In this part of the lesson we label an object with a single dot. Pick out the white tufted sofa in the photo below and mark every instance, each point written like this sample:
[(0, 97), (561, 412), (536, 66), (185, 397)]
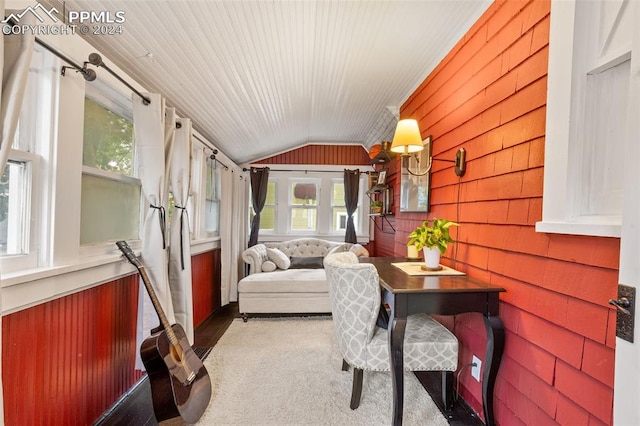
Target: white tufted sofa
[(288, 290)]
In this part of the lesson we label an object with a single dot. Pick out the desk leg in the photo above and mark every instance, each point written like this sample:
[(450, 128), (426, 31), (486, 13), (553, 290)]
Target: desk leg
[(396, 346), (493, 355)]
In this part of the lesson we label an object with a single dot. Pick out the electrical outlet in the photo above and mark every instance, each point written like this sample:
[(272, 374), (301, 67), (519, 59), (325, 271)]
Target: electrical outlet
[(475, 370)]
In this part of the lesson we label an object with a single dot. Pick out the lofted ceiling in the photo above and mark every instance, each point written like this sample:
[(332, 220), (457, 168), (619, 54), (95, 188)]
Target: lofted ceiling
[(263, 77)]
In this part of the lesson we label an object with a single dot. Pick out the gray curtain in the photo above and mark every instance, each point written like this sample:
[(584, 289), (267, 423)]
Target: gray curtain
[(351, 185), (259, 181)]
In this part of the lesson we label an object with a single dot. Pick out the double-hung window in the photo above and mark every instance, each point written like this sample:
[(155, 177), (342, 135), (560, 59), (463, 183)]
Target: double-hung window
[(23, 179), (110, 203)]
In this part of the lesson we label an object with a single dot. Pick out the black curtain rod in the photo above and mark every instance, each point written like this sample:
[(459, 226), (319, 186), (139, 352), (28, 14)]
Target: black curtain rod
[(305, 171), (96, 60)]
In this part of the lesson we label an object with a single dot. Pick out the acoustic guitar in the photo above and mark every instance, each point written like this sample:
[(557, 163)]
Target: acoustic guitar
[(180, 384)]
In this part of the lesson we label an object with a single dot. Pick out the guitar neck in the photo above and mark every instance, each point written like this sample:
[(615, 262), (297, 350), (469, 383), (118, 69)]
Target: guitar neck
[(157, 306)]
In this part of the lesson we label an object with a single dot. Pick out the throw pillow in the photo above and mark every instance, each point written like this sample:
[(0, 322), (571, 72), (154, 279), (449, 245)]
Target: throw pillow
[(268, 266), (306, 263), (279, 258)]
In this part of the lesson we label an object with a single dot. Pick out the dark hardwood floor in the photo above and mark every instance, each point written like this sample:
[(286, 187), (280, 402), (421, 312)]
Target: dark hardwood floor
[(135, 408)]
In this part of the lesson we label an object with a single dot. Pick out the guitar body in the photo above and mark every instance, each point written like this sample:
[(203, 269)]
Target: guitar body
[(173, 392)]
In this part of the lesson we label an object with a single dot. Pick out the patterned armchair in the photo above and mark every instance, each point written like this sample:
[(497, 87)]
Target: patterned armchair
[(354, 291)]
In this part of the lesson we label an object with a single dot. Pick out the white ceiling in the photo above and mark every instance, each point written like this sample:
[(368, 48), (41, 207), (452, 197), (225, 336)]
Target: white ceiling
[(263, 77)]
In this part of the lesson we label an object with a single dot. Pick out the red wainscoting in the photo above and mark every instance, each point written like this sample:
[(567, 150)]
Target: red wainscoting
[(205, 269), (65, 362), (488, 95)]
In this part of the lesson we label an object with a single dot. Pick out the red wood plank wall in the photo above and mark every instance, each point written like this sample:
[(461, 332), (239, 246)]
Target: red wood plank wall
[(489, 96), (321, 154), (65, 362)]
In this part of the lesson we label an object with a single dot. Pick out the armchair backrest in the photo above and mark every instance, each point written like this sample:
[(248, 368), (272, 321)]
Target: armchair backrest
[(354, 291)]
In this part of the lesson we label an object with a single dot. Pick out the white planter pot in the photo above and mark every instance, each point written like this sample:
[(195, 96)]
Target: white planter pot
[(431, 257)]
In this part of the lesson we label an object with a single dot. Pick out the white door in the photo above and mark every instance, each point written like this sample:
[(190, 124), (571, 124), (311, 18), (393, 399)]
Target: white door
[(626, 405)]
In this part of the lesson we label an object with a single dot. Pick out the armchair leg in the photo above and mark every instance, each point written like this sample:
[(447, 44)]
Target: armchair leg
[(447, 390), (357, 388), (345, 366)]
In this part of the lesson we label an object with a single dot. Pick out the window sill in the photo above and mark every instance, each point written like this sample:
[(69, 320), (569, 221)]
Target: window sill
[(600, 228), (21, 290)]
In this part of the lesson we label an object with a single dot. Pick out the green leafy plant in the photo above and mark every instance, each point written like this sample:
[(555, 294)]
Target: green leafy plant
[(376, 204), (435, 235)]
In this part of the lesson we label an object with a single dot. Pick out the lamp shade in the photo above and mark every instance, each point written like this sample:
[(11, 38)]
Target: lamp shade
[(407, 138)]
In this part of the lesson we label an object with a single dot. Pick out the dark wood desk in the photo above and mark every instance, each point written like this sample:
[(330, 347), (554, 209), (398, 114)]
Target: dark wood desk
[(442, 295)]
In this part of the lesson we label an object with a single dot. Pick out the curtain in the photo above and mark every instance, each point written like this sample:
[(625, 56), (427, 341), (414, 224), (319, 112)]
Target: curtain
[(226, 234), (149, 129), (233, 232), (351, 185), (180, 241), (15, 54), (259, 181)]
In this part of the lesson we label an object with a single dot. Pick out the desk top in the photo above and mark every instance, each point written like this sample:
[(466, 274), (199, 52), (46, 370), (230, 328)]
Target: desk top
[(396, 281)]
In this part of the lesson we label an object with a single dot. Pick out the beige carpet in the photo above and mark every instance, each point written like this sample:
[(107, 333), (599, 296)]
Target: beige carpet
[(288, 372)]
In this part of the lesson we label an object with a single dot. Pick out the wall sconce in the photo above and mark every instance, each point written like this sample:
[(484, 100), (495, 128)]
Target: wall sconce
[(407, 141)]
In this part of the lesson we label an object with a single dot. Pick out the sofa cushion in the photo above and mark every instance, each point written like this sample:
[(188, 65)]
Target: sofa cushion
[(269, 266), (279, 258), (289, 281), (306, 262)]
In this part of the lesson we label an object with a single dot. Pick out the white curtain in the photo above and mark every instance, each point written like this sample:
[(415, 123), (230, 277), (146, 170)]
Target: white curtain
[(153, 150), (15, 54), (226, 235), (233, 232), (180, 247)]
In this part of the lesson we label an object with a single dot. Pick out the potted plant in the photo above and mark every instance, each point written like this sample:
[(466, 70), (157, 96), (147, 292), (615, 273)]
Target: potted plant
[(433, 240), (376, 207)]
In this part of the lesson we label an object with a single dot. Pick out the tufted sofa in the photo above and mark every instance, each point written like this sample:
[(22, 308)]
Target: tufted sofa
[(288, 276)]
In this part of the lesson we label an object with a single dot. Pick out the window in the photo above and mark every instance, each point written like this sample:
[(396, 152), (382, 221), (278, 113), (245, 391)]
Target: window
[(589, 74), (303, 205), (109, 188), (308, 209), (22, 180), (268, 214), (212, 199), (339, 210)]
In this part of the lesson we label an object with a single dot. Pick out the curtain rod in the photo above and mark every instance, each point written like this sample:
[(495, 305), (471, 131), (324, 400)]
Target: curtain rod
[(96, 59), (88, 74), (301, 170)]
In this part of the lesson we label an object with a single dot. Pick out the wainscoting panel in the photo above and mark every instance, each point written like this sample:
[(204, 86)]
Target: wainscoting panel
[(205, 269), (66, 361)]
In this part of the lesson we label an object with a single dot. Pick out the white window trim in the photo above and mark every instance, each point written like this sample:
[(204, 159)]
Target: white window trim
[(560, 211), (297, 172)]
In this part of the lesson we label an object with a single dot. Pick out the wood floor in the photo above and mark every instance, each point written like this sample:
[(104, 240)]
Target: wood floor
[(135, 408)]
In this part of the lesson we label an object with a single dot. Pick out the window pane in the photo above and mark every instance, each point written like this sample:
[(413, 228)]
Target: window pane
[(268, 218), (13, 208), (102, 201), (303, 219), (271, 194), (268, 215), (211, 215), (212, 201), (304, 194), (108, 140), (337, 195)]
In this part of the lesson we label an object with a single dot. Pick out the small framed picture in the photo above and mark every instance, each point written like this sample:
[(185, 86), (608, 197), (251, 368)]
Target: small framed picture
[(382, 177)]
